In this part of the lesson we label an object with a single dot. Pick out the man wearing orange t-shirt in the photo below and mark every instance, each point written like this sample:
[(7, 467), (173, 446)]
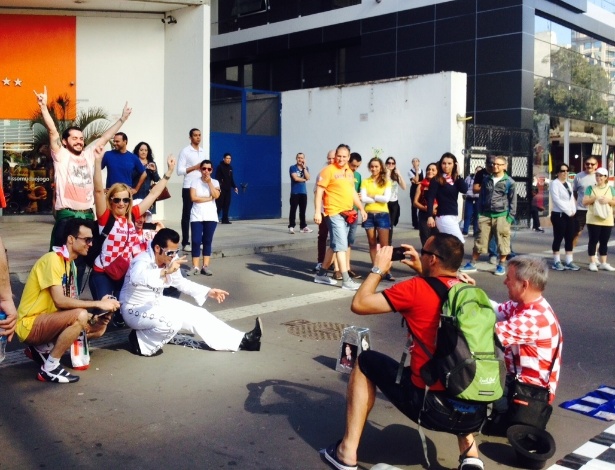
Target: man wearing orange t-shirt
[(335, 191)]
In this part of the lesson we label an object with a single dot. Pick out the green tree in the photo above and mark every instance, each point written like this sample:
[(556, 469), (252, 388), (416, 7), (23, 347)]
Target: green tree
[(92, 121), (577, 89)]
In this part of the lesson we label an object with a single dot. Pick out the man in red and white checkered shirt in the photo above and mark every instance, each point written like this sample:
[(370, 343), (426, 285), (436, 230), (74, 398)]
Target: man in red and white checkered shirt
[(527, 326)]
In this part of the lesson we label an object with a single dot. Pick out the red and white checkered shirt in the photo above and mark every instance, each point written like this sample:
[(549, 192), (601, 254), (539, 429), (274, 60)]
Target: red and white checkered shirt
[(530, 334), (116, 243)]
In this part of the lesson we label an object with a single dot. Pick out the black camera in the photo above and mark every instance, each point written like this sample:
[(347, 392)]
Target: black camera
[(398, 254)]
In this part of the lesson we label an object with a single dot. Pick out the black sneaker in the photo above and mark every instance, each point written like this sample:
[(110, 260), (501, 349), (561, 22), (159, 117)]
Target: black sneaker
[(36, 355), (57, 375), (134, 343), (118, 320)]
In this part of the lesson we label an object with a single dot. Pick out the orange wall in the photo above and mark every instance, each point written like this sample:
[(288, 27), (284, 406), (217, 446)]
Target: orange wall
[(38, 50)]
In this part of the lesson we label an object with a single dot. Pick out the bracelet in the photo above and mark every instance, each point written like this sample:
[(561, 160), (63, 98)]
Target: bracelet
[(166, 177), (122, 120)]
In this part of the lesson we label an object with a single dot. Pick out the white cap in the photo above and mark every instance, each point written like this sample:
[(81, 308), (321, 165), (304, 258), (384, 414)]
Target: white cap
[(602, 171), (148, 214)]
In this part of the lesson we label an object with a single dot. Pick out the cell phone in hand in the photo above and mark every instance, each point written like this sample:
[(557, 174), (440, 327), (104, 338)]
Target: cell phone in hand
[(398, 254), (149, 226)]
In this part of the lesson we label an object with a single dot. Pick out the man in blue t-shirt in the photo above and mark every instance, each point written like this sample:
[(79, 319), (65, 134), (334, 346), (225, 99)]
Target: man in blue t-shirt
[(121, 164), (299, 174)]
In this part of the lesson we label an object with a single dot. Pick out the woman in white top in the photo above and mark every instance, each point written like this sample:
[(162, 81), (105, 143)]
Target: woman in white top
[(563, 209), (397, 181), (203, 216)]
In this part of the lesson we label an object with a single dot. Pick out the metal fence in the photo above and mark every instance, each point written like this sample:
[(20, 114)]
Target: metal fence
[(516, 146)]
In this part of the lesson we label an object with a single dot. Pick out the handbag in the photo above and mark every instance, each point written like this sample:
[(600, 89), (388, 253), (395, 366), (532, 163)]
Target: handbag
[(600, 210), (165, 194), (117, 268), (350, 216), (529, 404)]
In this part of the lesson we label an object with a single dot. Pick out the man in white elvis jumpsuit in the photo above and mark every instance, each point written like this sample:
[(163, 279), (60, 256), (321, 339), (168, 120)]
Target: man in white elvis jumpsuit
[(155, 319)]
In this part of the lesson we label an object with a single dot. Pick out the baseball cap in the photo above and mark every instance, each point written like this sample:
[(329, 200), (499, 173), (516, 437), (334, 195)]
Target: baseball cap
[(148, 213), (602, 171)]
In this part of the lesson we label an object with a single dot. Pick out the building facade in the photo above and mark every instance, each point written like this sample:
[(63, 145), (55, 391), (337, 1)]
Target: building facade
[(509, 49)]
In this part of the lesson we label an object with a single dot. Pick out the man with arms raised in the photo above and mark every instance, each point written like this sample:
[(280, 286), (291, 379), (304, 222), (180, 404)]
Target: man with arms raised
[(74, 168)]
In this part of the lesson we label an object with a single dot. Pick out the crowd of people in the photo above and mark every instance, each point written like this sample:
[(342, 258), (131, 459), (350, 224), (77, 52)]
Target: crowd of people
[(138, 263)]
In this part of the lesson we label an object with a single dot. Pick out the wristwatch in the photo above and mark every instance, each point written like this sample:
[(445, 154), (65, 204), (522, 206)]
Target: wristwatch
[(377, 270)]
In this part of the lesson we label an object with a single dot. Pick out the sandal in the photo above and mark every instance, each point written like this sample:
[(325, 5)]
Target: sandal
[(471, 463), (330, 456)]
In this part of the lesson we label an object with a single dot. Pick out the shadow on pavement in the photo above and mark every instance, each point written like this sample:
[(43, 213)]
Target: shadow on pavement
[(396, 444)]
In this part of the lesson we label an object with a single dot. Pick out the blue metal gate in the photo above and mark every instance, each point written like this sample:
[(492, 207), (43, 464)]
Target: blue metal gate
[(246, 124)]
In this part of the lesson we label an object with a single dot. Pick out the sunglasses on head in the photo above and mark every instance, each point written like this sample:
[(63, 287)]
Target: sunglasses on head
[(117, 200)]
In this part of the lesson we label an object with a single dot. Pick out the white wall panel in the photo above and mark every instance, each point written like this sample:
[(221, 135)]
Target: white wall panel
[(406, 118)]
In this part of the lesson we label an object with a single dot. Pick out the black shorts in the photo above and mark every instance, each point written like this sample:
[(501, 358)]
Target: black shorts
[(440, 412), (580, 217), (381, 370)]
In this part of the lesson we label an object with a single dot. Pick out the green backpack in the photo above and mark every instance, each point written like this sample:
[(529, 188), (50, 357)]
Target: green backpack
[(467, 359)]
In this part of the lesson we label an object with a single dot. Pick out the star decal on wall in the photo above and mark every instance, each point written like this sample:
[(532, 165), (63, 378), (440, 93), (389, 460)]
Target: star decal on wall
[(18, 82), (6, 81)]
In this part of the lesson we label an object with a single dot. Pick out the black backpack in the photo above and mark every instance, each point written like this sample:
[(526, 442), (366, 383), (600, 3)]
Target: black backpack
[(99, 240)]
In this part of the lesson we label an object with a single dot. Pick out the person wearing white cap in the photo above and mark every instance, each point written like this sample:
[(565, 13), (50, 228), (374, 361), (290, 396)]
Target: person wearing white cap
[(599, 199)]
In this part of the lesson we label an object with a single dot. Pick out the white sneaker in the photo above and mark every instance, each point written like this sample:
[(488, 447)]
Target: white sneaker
[(325, 280), (593, 267), (291, 230), (606, 267), (306, 230), (350, 285)]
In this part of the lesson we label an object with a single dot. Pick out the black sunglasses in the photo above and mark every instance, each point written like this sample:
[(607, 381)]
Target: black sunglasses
[(430, 253), (87, 240), (206, 169), (117, 200)]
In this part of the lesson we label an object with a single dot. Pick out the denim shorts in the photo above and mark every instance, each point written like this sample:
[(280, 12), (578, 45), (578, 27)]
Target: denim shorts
[(338, 232), (377, 220), (352, 232)]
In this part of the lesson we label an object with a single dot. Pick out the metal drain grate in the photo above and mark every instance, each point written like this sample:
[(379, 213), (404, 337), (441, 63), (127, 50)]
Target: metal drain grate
[(318, 330)]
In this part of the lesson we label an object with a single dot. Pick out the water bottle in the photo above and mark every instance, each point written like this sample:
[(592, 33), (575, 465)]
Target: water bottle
[(3, 339), (80, 352)]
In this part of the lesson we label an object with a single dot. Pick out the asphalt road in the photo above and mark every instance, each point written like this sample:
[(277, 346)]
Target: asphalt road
[(275, 409)]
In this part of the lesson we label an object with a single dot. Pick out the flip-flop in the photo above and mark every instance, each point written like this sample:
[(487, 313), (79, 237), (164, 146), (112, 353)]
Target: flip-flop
[(330, 456)]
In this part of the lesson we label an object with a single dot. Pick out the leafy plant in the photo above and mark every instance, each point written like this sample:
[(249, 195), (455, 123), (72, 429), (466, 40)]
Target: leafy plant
[(92, 121)]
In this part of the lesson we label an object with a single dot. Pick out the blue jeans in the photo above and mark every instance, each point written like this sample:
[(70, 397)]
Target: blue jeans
[(493, 248), (377, 220), (338, 232), (101, 285), (202, 234), (470, 216)]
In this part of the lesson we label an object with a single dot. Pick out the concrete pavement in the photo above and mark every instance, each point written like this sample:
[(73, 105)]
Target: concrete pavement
[(273, 409)]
